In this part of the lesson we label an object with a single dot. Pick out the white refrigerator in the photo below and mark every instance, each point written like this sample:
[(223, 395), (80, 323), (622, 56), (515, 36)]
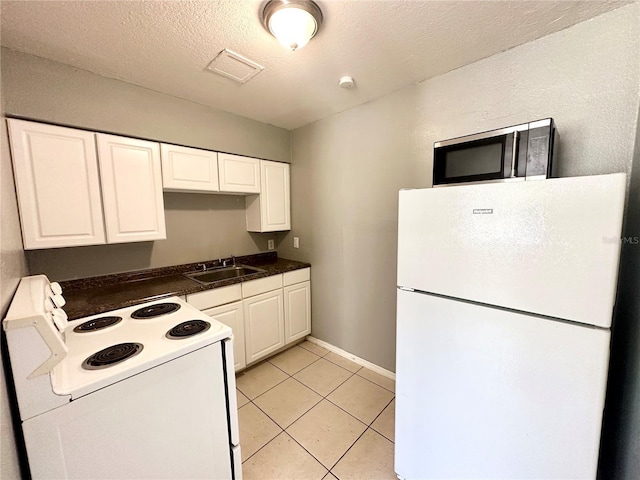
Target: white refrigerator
[(505, 298)]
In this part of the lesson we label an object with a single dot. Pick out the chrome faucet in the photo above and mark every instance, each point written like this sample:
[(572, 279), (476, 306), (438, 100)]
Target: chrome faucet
[(201, 266)]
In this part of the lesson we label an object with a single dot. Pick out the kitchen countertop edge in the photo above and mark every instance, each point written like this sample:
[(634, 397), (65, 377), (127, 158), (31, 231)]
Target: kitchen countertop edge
[(95, 295)]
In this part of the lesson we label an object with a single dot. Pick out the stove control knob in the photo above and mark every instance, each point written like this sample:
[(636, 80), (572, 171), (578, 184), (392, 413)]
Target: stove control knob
[(58, 301), (60, 319), (56, 288)]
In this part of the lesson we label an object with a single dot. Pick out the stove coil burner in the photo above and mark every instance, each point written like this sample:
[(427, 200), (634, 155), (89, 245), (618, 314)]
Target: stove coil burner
[(112, 355), (155, 310), (187, 329), (97, 324)]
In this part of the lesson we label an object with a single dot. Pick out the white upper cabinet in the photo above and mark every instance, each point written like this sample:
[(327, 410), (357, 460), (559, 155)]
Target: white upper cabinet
[(187, 169), (270, 211), (57, 183), (131, 189), (238, 174)]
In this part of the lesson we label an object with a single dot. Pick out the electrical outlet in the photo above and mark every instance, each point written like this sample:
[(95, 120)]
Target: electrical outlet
[(271, 244), (296, 242)]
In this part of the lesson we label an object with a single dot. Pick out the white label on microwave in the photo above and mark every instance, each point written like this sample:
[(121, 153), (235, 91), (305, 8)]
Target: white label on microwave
[(483, 211)]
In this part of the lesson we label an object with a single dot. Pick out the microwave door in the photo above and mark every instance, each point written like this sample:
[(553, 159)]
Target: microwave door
[(475, 161)]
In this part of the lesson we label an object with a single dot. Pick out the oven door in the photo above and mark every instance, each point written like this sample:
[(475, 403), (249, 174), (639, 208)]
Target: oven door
[(489, 156), (169, 422)]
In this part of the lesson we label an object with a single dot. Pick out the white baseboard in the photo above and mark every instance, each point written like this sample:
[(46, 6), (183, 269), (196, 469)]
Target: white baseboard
[(350, 356)]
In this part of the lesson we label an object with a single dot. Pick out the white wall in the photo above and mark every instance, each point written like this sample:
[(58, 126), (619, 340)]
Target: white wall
[(347, 169)]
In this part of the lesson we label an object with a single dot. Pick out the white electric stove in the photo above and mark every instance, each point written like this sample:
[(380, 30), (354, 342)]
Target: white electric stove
[(146, 391)]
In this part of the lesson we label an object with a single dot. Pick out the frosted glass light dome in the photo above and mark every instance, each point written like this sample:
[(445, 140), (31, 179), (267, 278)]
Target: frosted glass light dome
[(293, 23)]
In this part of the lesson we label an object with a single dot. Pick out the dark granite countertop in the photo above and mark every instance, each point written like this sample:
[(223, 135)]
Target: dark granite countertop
[(90, 296)]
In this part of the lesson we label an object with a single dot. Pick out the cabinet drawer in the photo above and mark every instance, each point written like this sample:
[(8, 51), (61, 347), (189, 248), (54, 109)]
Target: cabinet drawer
[(262, 285), (297, 276), (215, 297)]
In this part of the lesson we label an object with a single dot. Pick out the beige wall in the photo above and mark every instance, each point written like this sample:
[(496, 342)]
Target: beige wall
[(52, 92), (12, 267), (620, 454), (347, 169), (199, 226)]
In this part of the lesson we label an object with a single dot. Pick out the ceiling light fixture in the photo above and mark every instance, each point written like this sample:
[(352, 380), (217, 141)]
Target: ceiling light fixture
[(292, 22)]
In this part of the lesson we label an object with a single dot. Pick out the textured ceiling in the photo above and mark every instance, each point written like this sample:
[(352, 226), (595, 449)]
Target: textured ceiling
[(384, 44)]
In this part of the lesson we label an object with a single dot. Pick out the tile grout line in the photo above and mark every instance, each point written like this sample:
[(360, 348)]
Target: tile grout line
[(305, 449), (337, 364), (368, 426), (274, 386), (271, 440), (364, 378), (325, 398), (307, 411), (377, 416), (322, 356), (275, 422), (337, 387), (317, 359), (346, 451), (298, 418)]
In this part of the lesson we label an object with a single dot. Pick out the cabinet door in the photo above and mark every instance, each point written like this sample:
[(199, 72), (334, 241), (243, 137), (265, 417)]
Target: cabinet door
[(238, 174), (270, 211), (188, 169), (263, 325), (297, 311), (131, 189), (232, 315), (57, 185)]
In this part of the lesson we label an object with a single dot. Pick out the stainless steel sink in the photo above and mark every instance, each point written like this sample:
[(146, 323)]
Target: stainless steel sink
[(223, 273)]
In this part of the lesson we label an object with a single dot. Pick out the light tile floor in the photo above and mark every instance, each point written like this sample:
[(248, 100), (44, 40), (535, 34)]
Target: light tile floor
[(308, 413)]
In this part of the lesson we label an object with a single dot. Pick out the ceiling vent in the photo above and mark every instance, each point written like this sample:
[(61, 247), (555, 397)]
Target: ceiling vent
[(234, 66)]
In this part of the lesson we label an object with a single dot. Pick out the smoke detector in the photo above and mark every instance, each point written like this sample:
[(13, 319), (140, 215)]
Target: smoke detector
[(347, 82)]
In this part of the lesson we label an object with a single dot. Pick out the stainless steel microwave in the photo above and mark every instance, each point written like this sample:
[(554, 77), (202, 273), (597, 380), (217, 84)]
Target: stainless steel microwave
[(520, 152)]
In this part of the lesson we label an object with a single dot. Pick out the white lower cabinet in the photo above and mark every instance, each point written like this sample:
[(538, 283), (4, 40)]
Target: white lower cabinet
[(273, 312), (297, 311), (264, 324), (232, 315)]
